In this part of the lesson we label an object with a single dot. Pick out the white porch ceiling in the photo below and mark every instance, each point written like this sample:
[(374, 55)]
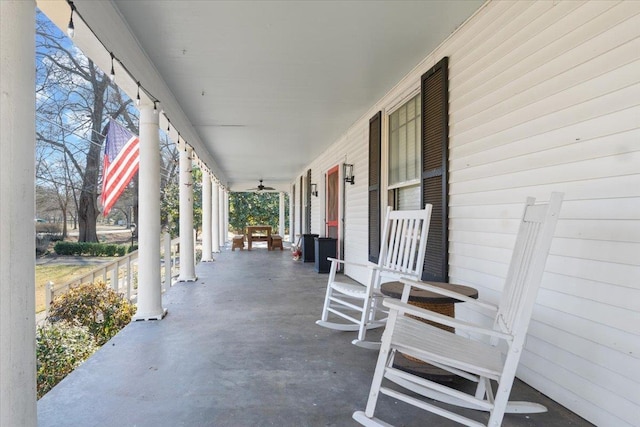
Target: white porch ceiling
[(268, 85)]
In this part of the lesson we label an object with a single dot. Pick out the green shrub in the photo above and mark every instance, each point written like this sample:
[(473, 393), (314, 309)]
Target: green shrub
[(95, 306), (66, 248), (90, 249), (60, 348)]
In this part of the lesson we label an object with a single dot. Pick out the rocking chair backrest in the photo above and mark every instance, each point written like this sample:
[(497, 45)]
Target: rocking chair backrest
[(404, 241), (527, 264)]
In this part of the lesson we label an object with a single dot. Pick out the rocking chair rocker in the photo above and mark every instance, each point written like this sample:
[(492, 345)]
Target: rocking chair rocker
[(475, 360), (402, 251)]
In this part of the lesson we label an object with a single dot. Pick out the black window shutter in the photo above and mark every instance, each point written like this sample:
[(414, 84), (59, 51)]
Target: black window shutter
[(308, 204), (375, 145), (434, 180)]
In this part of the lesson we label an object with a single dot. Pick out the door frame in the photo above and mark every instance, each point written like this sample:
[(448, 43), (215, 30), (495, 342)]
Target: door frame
[(339, 222)]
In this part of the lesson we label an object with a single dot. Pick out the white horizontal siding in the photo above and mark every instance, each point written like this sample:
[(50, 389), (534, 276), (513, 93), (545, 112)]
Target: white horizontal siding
[(578, 391), (624, 209), (592, 290), (544, 96), (593, 353), (350, 148), (558, 111), (593, 29), (607, 381)]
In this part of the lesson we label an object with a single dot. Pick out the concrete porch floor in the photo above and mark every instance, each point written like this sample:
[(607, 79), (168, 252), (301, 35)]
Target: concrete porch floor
[(239, 347)]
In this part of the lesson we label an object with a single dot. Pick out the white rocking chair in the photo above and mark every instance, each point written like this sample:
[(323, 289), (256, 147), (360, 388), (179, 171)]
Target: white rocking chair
[(473, 359), (402, 251)]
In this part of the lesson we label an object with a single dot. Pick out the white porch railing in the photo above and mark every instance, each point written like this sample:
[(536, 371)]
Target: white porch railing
[(122, 274)]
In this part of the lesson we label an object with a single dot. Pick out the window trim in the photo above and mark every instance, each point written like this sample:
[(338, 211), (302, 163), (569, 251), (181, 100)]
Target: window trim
[(399, 102), (403, 99), (403, 184)]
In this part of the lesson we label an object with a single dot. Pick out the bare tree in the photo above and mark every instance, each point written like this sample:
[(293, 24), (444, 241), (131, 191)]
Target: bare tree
[(78, 98), (74, 103)]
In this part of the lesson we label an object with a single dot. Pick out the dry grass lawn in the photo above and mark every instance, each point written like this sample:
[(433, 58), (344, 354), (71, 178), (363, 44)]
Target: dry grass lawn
[(57, 274)]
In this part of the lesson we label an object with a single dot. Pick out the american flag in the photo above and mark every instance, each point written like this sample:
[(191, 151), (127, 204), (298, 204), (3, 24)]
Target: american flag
[(121, 161)]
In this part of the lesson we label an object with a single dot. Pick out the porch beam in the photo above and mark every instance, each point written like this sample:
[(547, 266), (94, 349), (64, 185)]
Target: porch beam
[(149, 280), (187, 261), (17, 210)]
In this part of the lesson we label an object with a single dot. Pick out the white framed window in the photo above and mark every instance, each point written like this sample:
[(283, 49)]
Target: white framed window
[(404, 155)]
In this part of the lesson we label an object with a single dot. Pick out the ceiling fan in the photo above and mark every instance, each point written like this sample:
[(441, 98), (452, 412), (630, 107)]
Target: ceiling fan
[(261, 187)]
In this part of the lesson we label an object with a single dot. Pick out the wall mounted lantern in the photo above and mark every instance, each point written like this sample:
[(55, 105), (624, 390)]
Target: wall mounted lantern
[(348, 174), (314, 190)]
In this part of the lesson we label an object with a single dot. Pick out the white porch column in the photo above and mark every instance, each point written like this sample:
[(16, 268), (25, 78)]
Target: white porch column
[(226, 216), (292, 232), (206, 217), (221, 215), (149, 280), (187, 261), (17, 211), (215, 217), (281, 223)]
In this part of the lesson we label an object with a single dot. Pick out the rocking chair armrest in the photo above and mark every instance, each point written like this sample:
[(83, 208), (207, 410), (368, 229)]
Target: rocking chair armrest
[(370, 266), (355, 264), (395, 304), (426, 286)]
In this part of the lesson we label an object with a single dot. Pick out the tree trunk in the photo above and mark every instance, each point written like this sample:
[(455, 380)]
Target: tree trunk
[(88, 207), (87, 216), (64, 224)]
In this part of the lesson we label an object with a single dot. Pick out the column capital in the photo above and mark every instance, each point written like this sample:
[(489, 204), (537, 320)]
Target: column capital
[(148, 115)]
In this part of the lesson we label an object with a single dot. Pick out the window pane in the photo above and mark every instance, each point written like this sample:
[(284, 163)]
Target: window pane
[(402, 154), (404, 142), (409, 198), (412, 173), (393, 157), (411, 109)]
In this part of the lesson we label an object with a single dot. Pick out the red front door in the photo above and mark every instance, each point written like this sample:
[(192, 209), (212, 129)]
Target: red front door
[(333, 205)]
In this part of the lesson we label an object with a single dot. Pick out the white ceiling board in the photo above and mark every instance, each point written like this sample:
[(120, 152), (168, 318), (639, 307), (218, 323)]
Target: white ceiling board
[(268, 85), (106, 32)]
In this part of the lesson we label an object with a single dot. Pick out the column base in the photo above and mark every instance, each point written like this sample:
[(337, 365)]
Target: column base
[(207, 260), (144, 317), (193, 279)]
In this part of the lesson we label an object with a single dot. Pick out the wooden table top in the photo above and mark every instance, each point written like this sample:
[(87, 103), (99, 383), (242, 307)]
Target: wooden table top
[(255, 228), (394, 289)]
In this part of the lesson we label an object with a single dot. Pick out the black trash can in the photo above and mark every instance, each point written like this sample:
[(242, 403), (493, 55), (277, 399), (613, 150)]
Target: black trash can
[(325, 247), (307, 247)]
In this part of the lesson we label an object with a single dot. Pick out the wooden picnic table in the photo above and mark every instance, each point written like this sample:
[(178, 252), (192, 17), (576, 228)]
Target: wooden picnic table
[(258, 233)]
